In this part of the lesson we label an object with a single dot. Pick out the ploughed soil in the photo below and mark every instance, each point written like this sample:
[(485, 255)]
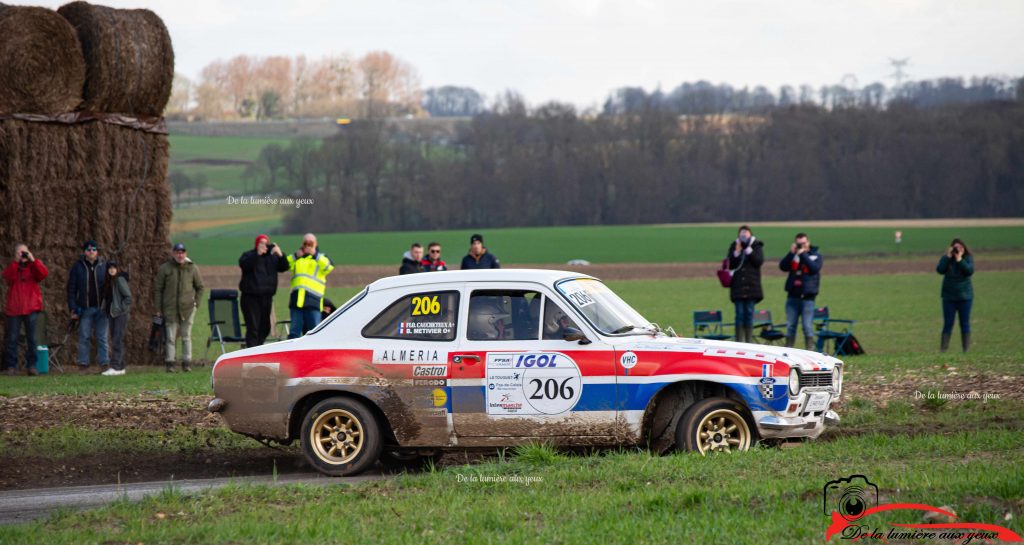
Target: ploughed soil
[(21, 416), (227, 276)]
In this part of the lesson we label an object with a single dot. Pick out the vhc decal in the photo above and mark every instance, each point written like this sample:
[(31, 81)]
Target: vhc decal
[(543, 383)]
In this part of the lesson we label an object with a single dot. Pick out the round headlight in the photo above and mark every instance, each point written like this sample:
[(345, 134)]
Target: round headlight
[(794, 382), (837, 377)]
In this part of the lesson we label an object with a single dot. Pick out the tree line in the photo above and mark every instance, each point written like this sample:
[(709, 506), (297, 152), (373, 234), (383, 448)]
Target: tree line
[(551, 165)]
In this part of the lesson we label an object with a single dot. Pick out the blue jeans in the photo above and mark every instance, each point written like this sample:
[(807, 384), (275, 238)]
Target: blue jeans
[(949, 311), (745, 312), (92, 320), (801, 310), (302, 321), (14, 324)]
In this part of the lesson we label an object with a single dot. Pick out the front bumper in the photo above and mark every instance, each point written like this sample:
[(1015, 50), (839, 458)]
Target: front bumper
[(783, 427)]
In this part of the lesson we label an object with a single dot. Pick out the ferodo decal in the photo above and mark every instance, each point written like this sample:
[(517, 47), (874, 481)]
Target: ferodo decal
[(532, 383), (414, 355)]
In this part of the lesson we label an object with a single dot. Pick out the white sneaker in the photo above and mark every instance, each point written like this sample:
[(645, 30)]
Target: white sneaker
[(121, 372), (110, 372)]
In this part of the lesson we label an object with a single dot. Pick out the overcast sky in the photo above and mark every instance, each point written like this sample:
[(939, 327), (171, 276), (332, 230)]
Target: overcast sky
[(579, 50)]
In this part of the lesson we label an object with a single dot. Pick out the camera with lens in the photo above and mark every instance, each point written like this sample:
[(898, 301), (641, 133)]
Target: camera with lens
[(271, 246), (850, 497), (24, 254)]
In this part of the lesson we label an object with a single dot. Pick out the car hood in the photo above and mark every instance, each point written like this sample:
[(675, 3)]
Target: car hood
[(805, 360)]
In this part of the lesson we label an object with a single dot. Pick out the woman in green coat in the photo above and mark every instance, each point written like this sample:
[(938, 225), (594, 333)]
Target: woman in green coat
[(956, 267)]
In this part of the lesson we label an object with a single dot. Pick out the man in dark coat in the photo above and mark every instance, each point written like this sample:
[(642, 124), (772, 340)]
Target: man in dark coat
[(478, 256), (260, 267), (746, 255), (85, 285), (803, 264), (412, 261)]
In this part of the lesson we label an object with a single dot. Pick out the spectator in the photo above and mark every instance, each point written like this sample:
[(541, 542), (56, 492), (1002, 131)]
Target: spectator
[(86, 280), (309, 282), (179, 290), (478, 256), (260, 267), (746, 255), (412, 261), (24, 303), (803, 263), (956, 268), (116, 303), (433, 261)]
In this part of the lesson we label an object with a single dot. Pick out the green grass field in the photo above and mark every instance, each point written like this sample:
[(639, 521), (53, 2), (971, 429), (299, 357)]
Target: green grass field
[(239, 148), (963, 454), (623, 244)]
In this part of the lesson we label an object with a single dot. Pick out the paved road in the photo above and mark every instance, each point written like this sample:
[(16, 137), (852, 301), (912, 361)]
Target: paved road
[(25, 505)]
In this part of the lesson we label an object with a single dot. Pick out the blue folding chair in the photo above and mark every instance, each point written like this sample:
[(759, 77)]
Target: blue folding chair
[(225, 326), (707, 324), (827, 332), (770, 333)]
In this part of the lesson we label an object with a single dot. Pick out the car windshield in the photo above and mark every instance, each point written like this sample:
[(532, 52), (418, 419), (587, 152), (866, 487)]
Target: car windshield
[(602, 308), (341, 310)]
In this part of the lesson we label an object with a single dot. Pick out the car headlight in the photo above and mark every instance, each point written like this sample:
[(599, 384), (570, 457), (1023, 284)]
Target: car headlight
[(794, 382), (837, 378)]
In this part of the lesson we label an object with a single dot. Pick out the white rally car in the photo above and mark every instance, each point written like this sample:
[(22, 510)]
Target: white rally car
[(421, 363)]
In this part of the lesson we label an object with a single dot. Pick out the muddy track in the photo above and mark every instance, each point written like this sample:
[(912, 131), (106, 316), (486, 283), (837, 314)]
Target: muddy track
[(222, 276)]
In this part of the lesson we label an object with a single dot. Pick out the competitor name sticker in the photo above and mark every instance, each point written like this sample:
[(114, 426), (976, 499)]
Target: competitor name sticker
[(425, 328), (532, 383), (628, 360), (414, 355)]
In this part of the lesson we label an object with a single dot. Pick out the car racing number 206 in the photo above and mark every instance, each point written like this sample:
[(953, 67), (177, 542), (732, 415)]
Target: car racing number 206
[(523, 384)]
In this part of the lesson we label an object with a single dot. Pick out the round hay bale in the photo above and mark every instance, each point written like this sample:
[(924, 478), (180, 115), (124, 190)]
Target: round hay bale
[(42, 70), (128, 56)]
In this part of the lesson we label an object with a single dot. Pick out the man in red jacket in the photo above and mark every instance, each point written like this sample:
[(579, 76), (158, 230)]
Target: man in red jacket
[(24, 302)]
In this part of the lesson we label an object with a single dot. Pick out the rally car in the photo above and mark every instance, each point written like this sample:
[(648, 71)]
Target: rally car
[(414, 365)]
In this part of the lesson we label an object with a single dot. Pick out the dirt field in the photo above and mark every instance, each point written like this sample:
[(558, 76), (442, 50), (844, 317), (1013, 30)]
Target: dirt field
[(228, 276)]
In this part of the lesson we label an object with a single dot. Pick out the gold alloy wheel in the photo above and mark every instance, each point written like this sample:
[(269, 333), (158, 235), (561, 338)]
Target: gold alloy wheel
[(723, 430), (337, 436)]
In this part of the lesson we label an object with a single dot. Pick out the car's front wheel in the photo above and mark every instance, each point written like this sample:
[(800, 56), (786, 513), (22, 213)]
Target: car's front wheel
[(715, 424), (341, 437)]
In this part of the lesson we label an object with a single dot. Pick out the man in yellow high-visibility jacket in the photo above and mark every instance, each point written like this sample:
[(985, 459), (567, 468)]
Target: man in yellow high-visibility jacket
[(309, 270)]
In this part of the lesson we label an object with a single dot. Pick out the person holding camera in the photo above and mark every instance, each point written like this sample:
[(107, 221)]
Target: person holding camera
[(260, 267), (803, 265), (24, 303), (956, 268), (745, 255)]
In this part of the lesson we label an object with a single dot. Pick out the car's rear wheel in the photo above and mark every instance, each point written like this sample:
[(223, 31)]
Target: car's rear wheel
[(715, 424), (341, 437)]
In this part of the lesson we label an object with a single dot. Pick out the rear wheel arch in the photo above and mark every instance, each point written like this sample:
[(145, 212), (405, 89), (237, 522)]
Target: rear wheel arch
[(307, 402), (667, 407)]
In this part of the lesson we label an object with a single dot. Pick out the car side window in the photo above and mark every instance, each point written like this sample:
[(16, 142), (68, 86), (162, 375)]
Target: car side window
[(428, 316), (504, 315), (557, 322)]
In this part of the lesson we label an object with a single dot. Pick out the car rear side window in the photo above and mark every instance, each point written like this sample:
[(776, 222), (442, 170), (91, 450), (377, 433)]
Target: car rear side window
[(428, 316)]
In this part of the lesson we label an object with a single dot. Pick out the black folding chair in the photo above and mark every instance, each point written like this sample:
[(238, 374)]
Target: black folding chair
[(770, 333), (827, 332), (225, 326), (707, 324)]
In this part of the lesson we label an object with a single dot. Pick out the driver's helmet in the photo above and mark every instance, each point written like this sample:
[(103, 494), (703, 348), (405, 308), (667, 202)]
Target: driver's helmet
[(486, 319), (556, 320)]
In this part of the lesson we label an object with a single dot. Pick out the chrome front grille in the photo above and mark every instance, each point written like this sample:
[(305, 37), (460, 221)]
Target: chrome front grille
[(816, 379)]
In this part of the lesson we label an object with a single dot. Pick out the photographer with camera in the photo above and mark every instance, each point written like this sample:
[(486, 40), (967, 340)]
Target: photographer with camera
[(24, 303), (260, 267), (956, 267), (803, 264)]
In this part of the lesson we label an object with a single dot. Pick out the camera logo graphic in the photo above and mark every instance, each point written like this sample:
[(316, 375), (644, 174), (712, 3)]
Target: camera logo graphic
[(850, 497)]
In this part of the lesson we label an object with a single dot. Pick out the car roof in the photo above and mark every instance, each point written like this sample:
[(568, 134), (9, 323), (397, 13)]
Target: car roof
[(541, 276)]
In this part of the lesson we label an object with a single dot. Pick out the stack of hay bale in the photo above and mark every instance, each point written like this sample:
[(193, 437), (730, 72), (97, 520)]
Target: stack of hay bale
[(83, 149)]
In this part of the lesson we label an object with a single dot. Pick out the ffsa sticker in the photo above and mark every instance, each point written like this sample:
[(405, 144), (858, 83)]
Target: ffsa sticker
[(532, 383)]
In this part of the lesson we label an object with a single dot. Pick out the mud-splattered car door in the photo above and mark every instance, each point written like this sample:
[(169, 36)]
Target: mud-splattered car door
[(516, 375)]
